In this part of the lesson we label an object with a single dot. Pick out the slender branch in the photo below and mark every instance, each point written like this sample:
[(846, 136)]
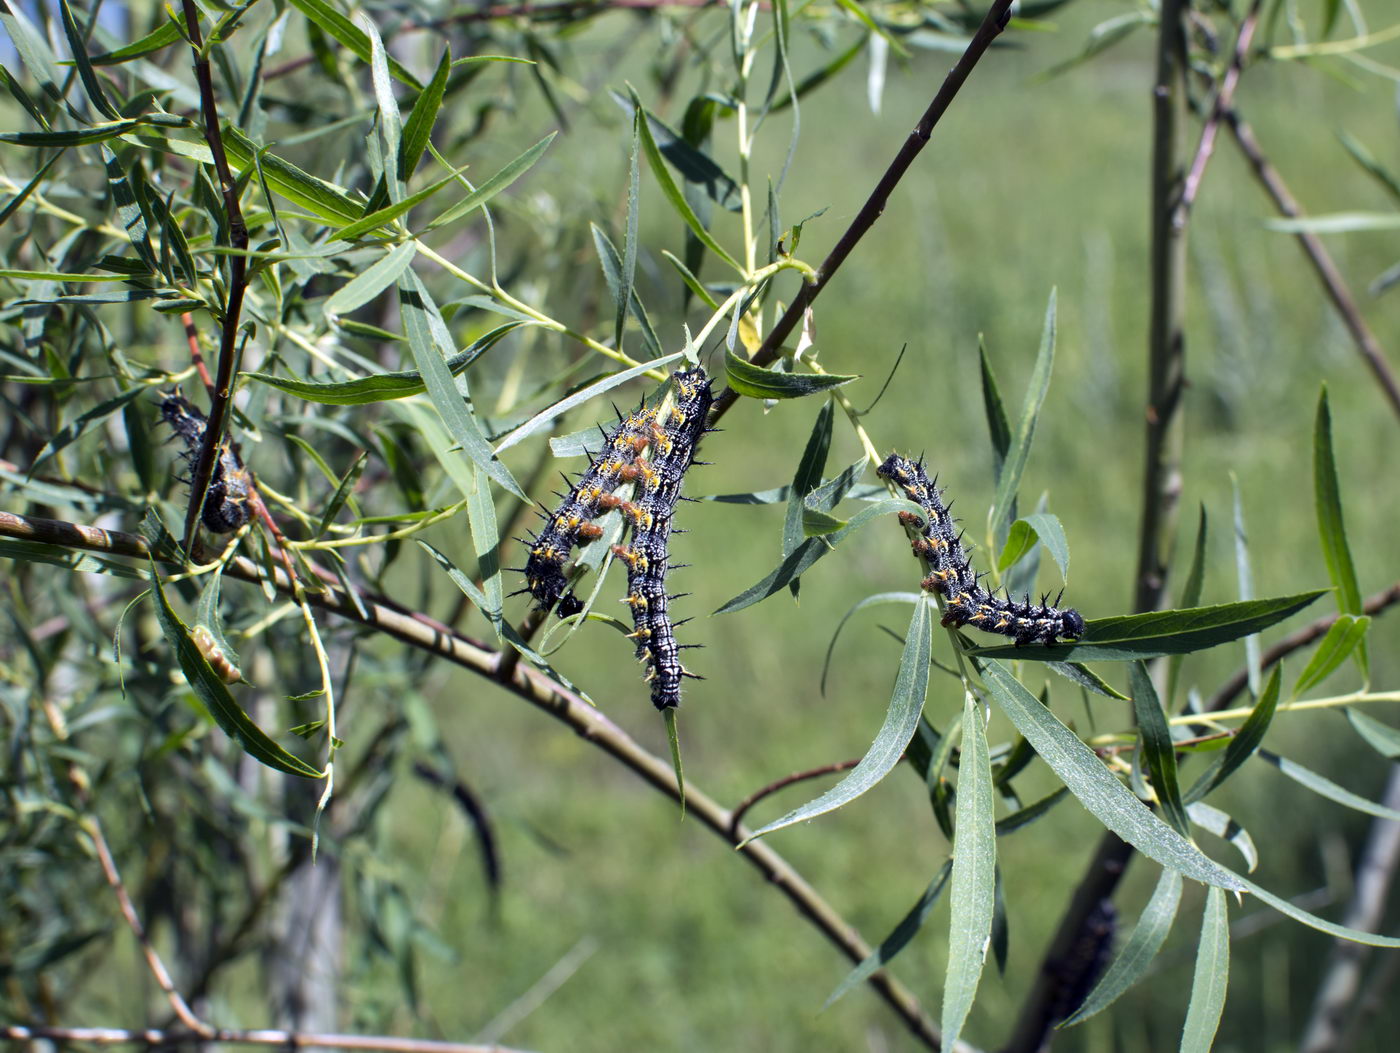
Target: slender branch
[(992, 25), (539, 690), (737, 816), (115, 1036), (237, 280), (1332, 282), (1341, 980), (1224, 99)]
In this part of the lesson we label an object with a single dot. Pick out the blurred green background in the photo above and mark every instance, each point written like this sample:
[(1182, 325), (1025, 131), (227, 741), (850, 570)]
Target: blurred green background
[(633, 929)]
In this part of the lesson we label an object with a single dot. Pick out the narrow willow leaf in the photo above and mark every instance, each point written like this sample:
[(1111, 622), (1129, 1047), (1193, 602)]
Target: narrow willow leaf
[(1158, 748), (1190, 597), (1312, 921), (426, 332), (1382, 738), (1019, 451), (163, 35), (691, 282), (326, 200), (998, 426), (1097, 788), (811, 550), (1212, 977), (1336, 223), (628, 272), (547, 416), (1331, 527), (211, 690), (869, 601), (759, 383), (389, 213), (1342, 638), (332, 22), (897, 940), (417, 130), (79, 426), (1031, 812), (382, 386), (78, 46), (372, 281), (1130, 963), (1019, 540), (66, 558), (390, 120), (1384, 178), (1221, 825), (96, 133), (972, 895), (612, 265), (673, 193), (806, 479), (494, 185), (901, 720), (816, 523), (1156, 633), (343, 493), (694, 165), (1325, 787), (1246, 740), (1087, 679)]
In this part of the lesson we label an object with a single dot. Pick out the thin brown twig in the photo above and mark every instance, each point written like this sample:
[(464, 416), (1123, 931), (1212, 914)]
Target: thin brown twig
[(540, 691), (992, 25), (237, 280), (1332, 282), (786, 781), (1224, 99), (114, 1036)]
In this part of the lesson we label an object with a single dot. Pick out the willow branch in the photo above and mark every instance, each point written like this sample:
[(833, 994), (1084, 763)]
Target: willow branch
[(534, 687), (237, 279), (118, 1036), (992, 25), (1327, 273)]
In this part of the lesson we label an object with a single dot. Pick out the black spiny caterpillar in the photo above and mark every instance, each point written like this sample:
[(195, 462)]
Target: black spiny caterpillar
[(226, 505), (967, 602)]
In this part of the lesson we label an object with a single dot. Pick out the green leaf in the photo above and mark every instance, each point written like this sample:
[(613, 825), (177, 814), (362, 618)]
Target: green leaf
[(78, 46), (381, 386), (1245, 579), (547, 416), (494, 185), (427, 334), (163, 35), (1382, 738), (901, 720), (326, 200), (1031, 812), (1342, 932), (1153, 634), (1382, 175), (1190, 597), (806, 479), (33, 49), (1087, 679), (372, 281), (390, 120), (96, 133), (1097, 788), (897, 940), (1221, 825), (1025, 532), (417, 130), (1345, 635), (343, 493), (211, 690), (613, 270), (759, 383), (673, 192), (1130, 963), (623, 292), (329, 20), (694, 165), (1331, 528), (1158, 748), (974, 875), (391, 212), (78, 426), (1010, 478), (1325, 787), (1212, 977), (1245, 741)]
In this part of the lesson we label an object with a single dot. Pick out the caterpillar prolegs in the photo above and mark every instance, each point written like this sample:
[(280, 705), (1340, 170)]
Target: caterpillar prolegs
[(671, 442), (967, 602)]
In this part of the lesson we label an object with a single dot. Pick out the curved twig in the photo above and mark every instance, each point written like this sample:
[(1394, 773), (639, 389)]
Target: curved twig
[(737, 815)]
